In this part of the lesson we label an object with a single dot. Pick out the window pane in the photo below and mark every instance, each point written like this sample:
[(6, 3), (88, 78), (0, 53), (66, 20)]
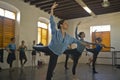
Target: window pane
[(1, 12), (1, 32), (44, 36), (100, 28), (39, 35), (9, 14), (9, 31), (42, 25)]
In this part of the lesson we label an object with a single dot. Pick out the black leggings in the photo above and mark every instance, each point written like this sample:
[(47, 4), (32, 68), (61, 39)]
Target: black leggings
[(95, 54), (75, 55), (23, 57), (21, 61), (52, 60), (66, 60)]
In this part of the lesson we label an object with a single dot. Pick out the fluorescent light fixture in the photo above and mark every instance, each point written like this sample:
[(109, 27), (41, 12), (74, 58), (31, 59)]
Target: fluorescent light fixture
[(87, 9)]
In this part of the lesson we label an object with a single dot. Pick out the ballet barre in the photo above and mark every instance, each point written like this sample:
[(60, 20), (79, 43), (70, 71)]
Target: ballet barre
[(115, 57)]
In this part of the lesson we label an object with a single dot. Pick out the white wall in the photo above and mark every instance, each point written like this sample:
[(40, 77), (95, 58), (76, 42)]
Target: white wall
[(113, 19), (26, 26)]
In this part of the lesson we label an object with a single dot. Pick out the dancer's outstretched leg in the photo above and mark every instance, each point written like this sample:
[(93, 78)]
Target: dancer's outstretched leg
[(44, 49)]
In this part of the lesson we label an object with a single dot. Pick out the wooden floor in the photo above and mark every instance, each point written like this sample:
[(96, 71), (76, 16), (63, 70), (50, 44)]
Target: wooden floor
[(106, 72)]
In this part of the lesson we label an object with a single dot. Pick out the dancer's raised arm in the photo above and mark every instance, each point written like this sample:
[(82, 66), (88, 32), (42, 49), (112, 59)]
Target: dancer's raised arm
[(53, 7), (76, 33), (52, 22)]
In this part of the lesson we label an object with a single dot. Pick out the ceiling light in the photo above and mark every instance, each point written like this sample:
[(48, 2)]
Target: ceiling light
[(105, 3), (87, 9)]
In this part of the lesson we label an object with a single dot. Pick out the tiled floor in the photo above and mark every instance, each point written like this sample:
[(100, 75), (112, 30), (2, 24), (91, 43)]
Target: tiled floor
[(83, 72)]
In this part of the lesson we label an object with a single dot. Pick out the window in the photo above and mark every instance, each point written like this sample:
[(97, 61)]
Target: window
[(7, 14), (7, 28), (42, 25), (102, 31), (42, 33), (1, 12)]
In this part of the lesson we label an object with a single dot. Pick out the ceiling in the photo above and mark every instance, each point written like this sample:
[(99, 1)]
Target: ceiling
[(70, 9)]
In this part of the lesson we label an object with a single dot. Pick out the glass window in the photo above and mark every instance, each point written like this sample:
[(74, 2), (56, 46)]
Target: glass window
[(9, 14), (42, 25), (39, 35), (42, 33), (1, 12), (100, 28)]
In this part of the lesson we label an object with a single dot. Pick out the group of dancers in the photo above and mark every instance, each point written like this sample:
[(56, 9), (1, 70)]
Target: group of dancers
[(58, 45), (60, 41), (11, 49)]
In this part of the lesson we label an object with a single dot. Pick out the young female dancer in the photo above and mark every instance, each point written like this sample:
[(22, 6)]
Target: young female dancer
[(76, 53), (22, 54), (96, 51), (33, 54), (59, 42), (11, 49)]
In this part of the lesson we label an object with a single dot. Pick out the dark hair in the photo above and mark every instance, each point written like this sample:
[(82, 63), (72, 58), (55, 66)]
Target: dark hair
[(98, 39), (33, 40), (22, 41), (12, 39), (59, 23), (80, 33)]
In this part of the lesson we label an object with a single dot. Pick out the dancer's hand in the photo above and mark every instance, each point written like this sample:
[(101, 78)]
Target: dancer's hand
[(54, 5), (79, 23), (113, 47)]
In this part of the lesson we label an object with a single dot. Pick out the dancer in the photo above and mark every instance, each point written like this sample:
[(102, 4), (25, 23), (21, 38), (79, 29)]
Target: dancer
[(11, 49), (59, 42), (76, 53), (96, 51), (33, 54), (22, 48)]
